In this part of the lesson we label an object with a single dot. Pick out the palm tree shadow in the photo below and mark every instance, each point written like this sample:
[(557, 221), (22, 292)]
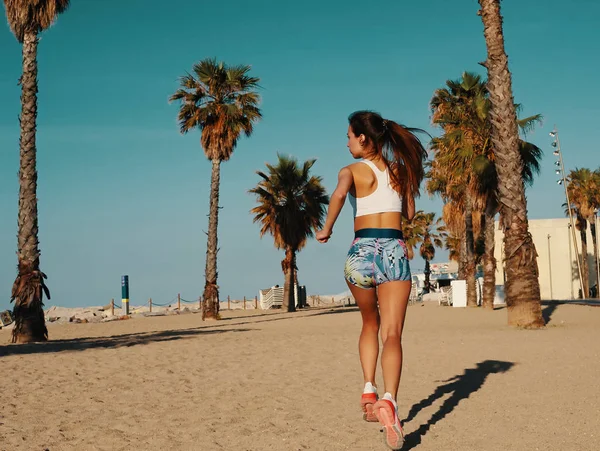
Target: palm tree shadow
[(459, 387), (548, 310), (109, 342), (144, 338)]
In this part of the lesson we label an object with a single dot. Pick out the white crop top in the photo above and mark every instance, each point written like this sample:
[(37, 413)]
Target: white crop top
[(384, 199)]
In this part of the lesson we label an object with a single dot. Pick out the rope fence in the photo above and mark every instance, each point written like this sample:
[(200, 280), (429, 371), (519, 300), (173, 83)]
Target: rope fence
[(150, 303), (244, 302), (232, 304), (317, 301)]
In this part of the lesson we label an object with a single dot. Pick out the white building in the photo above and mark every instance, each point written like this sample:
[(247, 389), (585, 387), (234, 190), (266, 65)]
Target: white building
[(557, 264)]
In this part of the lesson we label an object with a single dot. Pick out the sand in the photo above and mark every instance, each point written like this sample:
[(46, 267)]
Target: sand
[(279, 381)]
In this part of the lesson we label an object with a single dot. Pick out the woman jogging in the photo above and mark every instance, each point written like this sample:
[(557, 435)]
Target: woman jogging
[(382, 186)]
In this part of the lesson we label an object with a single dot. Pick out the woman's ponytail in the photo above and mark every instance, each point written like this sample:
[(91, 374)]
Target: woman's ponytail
[(404, 155), (397, 145)]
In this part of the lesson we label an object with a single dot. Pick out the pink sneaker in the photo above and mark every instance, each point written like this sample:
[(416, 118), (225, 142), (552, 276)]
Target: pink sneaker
[(386, 414), (367, 400)]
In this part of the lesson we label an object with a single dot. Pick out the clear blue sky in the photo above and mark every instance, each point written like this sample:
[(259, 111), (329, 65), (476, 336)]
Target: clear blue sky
[(122, 192)]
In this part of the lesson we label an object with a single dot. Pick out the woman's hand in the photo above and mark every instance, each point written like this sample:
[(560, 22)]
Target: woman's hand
[(323, 235)]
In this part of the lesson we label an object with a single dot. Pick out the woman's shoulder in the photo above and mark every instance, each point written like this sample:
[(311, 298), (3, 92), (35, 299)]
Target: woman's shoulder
[(359, 165)]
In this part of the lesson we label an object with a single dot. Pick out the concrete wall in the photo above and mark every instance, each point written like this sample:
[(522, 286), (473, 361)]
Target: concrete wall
[(559, 278)]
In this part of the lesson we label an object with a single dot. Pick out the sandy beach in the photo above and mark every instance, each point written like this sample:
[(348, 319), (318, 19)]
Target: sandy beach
[(278, 381)]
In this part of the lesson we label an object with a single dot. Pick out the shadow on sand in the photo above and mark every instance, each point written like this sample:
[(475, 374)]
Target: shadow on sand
[(142, 338), (115, 341), (282, 316), (459, 387), (312, 311), (548, 310)]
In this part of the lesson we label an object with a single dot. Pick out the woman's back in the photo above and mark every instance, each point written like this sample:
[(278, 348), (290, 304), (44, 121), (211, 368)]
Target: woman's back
[(375, 203)]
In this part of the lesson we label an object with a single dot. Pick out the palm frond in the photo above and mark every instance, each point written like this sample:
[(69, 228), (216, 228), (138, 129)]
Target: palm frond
[(32, 16), (527, 124), (291, 202), (221, 102)]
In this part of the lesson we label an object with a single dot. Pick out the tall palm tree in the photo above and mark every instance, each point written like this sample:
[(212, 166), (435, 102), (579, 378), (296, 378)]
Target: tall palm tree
[(27, 19), (444, 180), (522, 289), (583, 186), (485, 168), (434, 235), (595, 201), (465, 157), (291, 205), (221, 101), (457, 108)]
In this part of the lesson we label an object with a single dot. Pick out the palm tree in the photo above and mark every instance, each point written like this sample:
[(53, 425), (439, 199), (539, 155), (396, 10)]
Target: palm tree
[(583, 187), (291, 204), (458, 110), (595, 202), (522, 289), (27, 19), (413, 232), (221, 101), (485, 168), (434, 234), (465, 174), (426, 231)]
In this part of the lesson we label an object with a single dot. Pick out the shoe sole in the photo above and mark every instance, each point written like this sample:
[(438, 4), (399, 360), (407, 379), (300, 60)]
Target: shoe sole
[(392, 434), (368, 414)]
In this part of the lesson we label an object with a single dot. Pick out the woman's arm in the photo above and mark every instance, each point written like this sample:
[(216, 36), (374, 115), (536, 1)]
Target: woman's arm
[(336, 202)]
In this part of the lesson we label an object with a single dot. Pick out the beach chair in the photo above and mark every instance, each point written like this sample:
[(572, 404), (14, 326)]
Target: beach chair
[(414, 294), (445, 297)]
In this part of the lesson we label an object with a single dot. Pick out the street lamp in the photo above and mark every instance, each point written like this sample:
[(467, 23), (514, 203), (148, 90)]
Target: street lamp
[(563, 181), (597, 259), (550, 267), (571, 265)]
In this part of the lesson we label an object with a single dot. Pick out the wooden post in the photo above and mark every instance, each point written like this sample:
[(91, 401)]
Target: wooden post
[(255, 302), (150, 304), (112, 307), (332, 300), (199, 302), (244, 302), (178, 301), (228, 303)]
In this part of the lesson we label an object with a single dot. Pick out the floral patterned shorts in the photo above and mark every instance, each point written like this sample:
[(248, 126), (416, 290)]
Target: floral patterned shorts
[(373, 260)]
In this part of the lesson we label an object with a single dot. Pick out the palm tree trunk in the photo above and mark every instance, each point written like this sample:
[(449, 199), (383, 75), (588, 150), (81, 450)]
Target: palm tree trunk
[(462, 257), (427, 277), (288, 265), (489, 263), (211, 289), (522, 288), (297, 289), (29, 288), (595, 244), (585, 268), (470, 260)]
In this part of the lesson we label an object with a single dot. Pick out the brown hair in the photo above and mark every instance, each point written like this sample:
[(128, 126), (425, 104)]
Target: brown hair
[(397, 145)]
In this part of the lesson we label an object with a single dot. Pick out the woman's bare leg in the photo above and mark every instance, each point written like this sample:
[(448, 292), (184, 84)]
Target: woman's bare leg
[(393, 300), (368, 343)]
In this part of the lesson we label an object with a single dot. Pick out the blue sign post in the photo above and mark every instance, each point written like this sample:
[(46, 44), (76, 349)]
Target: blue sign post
[(125, 293)]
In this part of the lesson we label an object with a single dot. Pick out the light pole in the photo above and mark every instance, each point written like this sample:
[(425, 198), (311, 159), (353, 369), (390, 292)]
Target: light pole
[(571, 264), (563, 181), (597, 258), (550, 268)]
